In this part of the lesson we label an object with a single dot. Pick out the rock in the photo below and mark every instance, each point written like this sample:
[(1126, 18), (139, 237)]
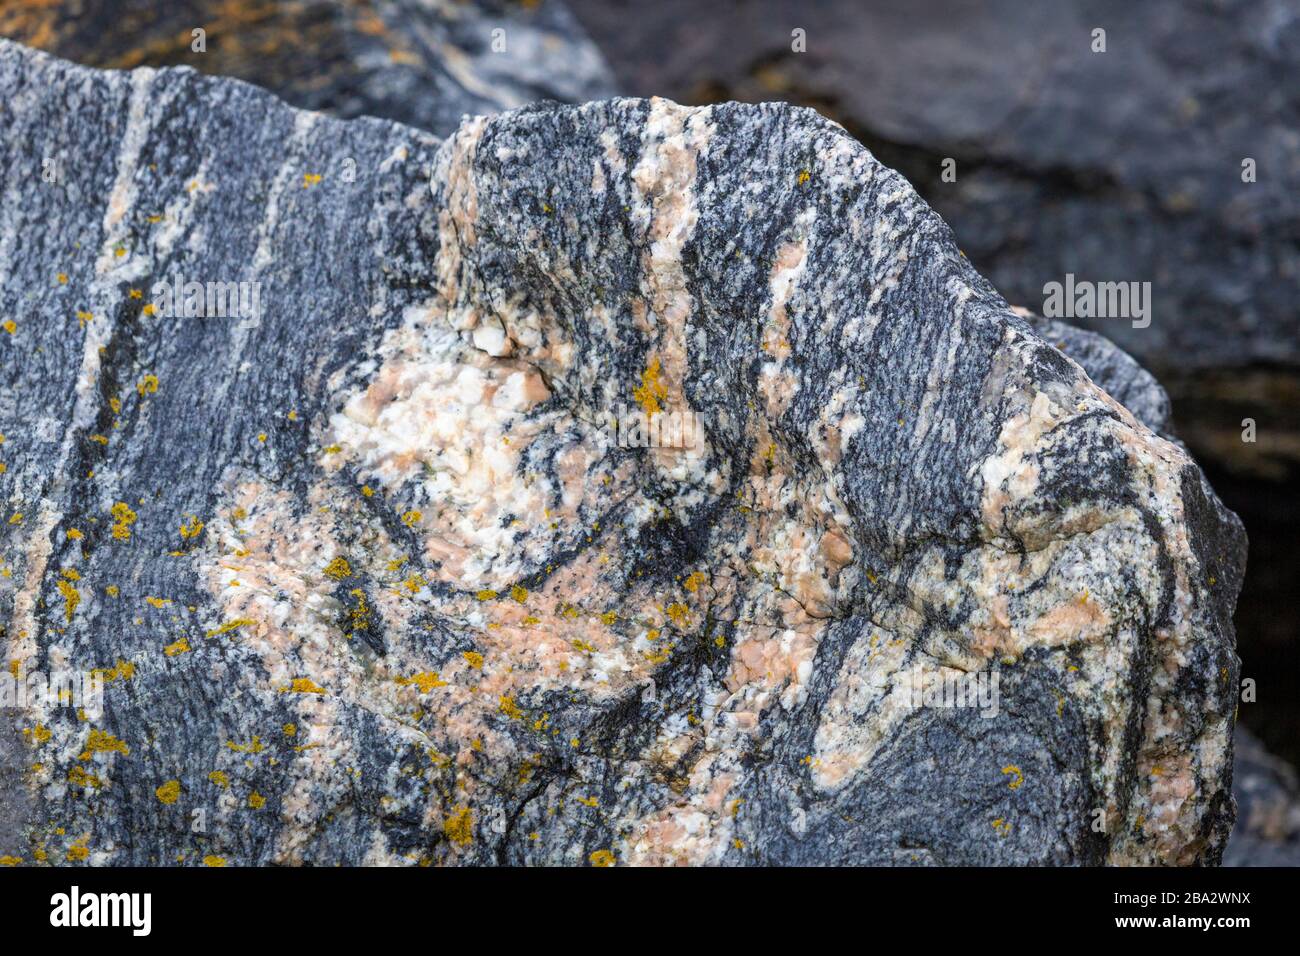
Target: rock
[(370, 579), (1123, 165), (1268, 808), (423, 64)]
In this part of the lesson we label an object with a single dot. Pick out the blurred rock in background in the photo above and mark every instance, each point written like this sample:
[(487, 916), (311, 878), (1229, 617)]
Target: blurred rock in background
[(421, 62)]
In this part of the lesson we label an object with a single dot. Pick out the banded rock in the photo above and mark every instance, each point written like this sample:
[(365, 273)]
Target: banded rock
[(370, 582)]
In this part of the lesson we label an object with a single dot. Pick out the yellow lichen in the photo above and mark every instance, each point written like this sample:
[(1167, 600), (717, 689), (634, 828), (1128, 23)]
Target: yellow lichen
[(220, 779), (192, 528), (602, 858), (425, 680), (230, 626), (147, 385), (169, 792), (459, 827), (303, 685), (215, 861), (71, 598), (180, 647), (692, 583), (123, 518), (101, 741), (256, 800), (652, 390), (338, 569), (519, 593)]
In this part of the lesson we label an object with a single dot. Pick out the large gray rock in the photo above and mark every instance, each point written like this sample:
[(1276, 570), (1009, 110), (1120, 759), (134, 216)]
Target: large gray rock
[(369, 583)]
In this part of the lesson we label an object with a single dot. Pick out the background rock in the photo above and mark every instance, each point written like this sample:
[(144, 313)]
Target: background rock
[(421, 62)]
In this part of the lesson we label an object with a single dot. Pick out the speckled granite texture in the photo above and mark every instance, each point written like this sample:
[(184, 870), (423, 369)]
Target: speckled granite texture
[(368, 581)]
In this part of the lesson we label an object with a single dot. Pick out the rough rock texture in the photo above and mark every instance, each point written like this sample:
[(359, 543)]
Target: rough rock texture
[(1268, 808), (422, 62), (368, 582), (1123, 165)]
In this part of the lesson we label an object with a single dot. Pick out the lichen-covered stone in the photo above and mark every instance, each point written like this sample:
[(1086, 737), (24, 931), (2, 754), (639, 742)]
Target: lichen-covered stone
[(370, 582)]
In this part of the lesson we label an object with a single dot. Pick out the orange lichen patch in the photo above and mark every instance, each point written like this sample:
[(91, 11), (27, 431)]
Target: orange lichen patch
[(652, 390), (602, 858), (124, 670), (192, 527), (693, 582), (74, 534), (78, 853), (230, 626), (40, 733), (425, 680), (123, 518), (507, 706), (310, 179), (169, 792), (412, 518), (474, 659), (338, 569), (1017, 778), (220, 779), (678, 613), (82, 778), (459, 827), (100, 741), (157, 601), (71, 598), (10, 326), (181, 646), (302, 685), (214, 861)]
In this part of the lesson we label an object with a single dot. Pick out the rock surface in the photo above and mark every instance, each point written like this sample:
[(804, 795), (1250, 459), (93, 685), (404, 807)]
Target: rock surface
[(1117, 166), (368, 582), (426, 63)]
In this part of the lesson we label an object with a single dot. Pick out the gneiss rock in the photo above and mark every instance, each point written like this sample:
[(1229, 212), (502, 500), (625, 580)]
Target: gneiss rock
[(371, 581), (426, 64)]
